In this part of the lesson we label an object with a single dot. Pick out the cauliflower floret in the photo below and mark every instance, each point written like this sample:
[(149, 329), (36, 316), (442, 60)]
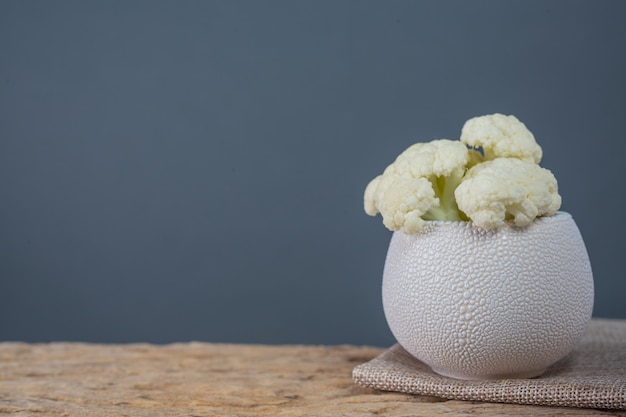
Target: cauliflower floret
[(507, 189), (418, 186), (403, 204), (501, 136)]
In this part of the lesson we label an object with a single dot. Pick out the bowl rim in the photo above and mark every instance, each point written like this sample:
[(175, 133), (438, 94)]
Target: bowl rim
[(432, 224)]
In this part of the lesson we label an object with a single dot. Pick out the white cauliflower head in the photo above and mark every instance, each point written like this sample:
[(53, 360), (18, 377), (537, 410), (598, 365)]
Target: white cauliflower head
[(491, 176), (507, 189), (413, 187), (501, 136)]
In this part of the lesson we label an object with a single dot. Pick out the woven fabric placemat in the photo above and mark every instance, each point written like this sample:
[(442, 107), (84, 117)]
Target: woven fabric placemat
[(592, 376)]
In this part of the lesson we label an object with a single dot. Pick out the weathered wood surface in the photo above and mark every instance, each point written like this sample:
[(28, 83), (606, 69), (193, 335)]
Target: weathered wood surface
[(200, 379)]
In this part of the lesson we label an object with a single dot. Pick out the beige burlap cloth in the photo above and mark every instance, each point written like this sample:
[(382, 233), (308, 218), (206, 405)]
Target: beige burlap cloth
[(592, 376)]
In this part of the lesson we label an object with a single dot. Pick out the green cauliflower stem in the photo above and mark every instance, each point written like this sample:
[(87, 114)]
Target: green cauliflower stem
[(444, 188)]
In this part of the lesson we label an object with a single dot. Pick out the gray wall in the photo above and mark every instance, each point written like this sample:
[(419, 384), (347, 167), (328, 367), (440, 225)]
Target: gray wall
[(194, 170)]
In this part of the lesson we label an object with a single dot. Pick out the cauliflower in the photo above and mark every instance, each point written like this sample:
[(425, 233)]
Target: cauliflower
[(491, 176), (501, 136), (507, 189), (419, 186)]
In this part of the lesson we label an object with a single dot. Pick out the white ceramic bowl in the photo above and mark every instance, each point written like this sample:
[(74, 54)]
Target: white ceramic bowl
[(489, 304)]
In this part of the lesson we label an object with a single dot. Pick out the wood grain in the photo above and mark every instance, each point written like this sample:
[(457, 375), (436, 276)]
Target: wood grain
[(202, 379)]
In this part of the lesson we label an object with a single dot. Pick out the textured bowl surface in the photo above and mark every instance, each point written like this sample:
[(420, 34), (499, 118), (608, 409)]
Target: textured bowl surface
[(485, 304)]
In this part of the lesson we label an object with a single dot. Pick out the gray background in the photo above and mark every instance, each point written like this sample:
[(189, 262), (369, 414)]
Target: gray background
[(194, 170)]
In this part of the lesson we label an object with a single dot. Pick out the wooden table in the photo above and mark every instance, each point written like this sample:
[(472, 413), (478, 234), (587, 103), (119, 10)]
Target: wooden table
[(201, 379)]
